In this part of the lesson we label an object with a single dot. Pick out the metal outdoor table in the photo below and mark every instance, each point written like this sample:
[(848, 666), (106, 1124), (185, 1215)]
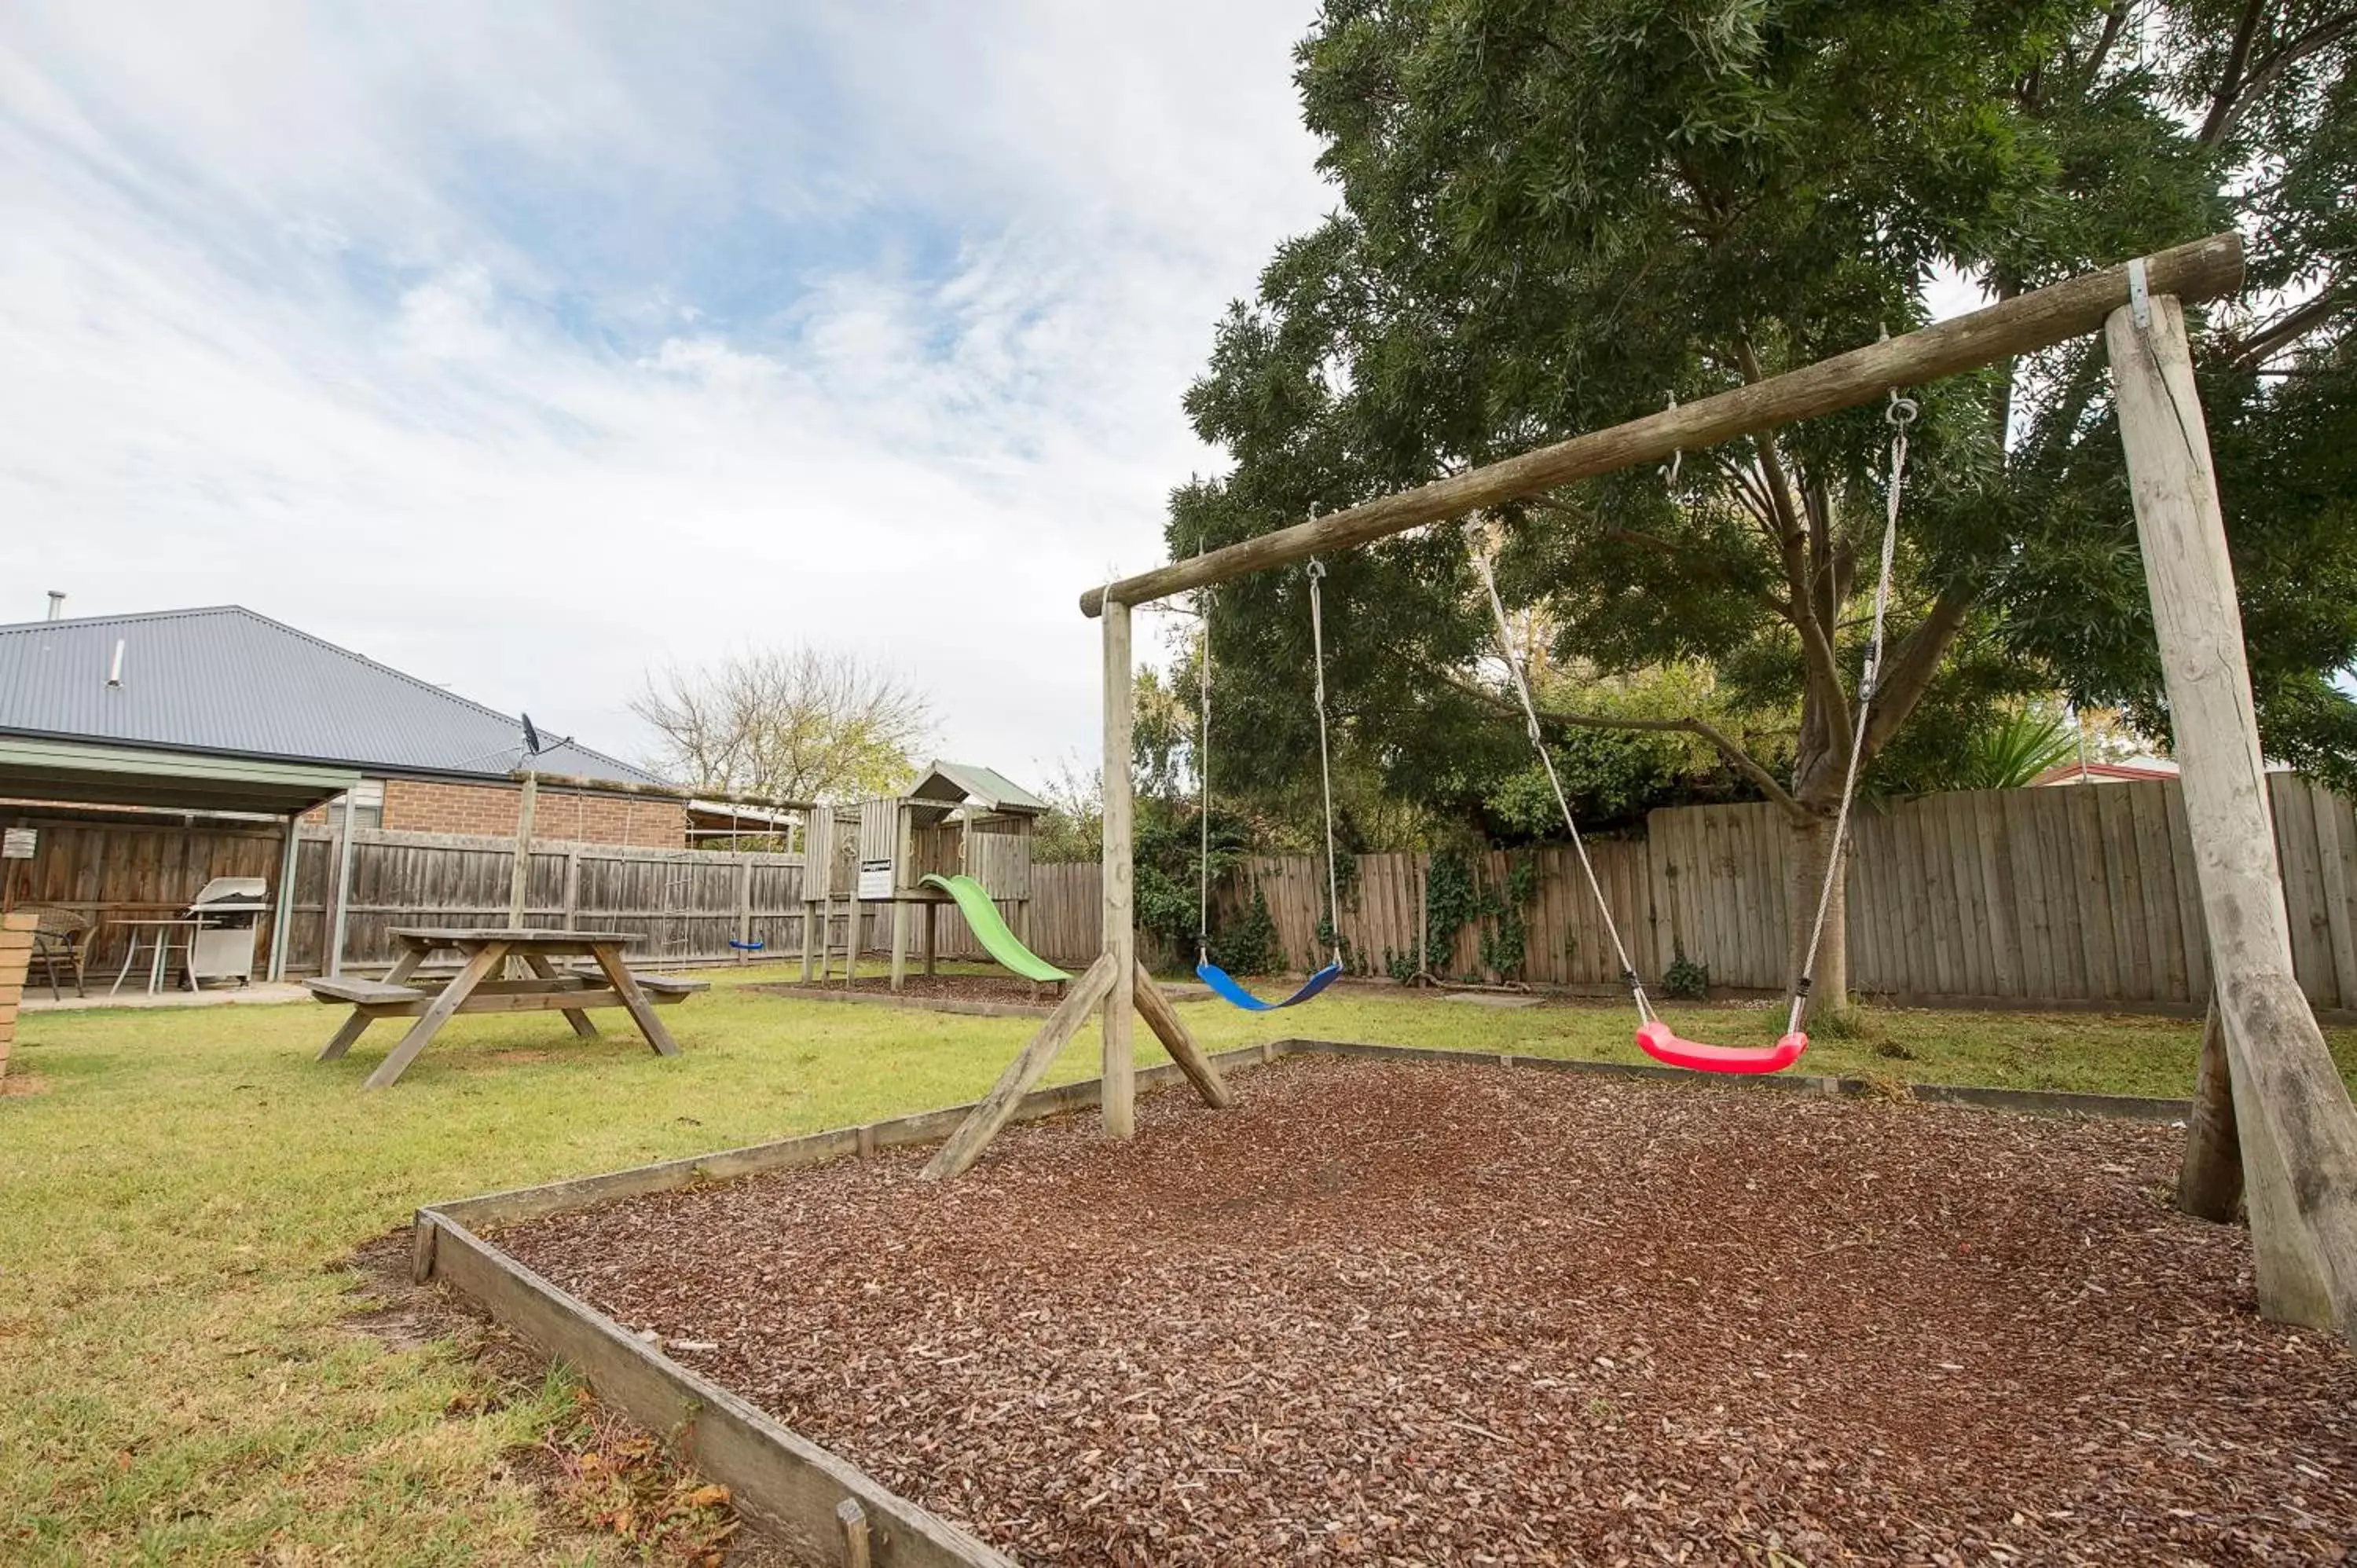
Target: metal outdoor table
[(474, 988), (161, 937)]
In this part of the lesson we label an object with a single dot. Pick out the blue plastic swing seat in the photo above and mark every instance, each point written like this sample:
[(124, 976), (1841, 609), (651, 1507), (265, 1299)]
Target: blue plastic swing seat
[(1235, 995)]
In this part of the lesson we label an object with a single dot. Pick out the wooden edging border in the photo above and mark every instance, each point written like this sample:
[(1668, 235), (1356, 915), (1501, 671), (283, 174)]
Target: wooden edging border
[(797, 991), (801, 1491)]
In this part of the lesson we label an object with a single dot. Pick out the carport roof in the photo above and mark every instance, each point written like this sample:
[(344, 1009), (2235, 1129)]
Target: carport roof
[(81, 771)]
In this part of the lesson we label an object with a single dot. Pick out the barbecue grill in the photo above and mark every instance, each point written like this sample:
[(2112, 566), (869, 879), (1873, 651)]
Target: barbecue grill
[(230, 909)]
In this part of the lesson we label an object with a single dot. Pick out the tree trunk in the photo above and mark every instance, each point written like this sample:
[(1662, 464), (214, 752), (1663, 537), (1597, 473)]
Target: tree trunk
[(2210, 1181), (1813, 844)]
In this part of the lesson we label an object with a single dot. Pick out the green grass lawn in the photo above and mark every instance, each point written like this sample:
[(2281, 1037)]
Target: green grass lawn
[(179, 1379)]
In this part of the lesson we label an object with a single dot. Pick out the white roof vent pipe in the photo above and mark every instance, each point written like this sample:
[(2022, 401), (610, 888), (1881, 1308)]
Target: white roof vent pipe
[(57, 604), (114, 666)]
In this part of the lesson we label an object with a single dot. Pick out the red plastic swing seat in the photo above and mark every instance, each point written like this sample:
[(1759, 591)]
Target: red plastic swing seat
[(1662, 1043)]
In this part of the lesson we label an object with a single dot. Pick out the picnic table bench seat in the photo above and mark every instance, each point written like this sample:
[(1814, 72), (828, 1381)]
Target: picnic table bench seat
[(339, 988)]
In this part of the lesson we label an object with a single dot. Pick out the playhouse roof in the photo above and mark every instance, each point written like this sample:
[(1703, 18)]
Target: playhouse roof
[(959, 783)]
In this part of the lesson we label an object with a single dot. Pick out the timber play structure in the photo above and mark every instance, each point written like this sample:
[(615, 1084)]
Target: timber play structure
[(2298, 1130), (961, 835)]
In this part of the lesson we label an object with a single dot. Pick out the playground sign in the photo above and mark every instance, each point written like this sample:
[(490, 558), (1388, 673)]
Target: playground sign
[(875, 879)]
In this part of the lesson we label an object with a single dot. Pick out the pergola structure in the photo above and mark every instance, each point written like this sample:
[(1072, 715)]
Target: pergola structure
[(41, 771), (2297, 1126)]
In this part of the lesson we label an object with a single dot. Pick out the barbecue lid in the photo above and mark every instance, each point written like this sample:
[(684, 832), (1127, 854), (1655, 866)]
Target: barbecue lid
[(232, 890)]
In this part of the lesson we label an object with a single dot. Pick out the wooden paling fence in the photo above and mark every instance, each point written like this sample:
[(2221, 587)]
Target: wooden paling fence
[(679, 907), (2077, 894)]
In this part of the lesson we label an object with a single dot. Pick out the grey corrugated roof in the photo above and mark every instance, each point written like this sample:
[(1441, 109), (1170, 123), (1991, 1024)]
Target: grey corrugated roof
[(226, 680)]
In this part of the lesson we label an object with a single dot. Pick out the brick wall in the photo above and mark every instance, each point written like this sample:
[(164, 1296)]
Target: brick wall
[(418, 806)]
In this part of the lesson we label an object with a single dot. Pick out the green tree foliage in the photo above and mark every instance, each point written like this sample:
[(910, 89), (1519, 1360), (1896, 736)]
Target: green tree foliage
[(2016, 750), (1556, 216)]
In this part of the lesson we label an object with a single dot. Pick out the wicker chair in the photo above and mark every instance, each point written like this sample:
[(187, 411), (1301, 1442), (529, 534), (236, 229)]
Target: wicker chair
[(60, 946)]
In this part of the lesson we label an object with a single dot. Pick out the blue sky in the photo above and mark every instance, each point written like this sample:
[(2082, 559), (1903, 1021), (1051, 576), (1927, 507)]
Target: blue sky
[(529, 346)]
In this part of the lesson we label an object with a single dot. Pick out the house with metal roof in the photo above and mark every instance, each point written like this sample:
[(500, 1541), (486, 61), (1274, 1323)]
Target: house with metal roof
[(200, 728), (224, 708)]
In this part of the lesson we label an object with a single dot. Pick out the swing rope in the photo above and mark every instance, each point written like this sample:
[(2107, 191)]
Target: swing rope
[(1655, 1037), (1316, 573), (1205, 970), (1900, 415), (1473, 546), (1203, 781)]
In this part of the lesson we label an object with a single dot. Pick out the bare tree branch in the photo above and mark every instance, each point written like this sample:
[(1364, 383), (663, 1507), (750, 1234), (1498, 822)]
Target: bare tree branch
[(2230, 77), (1908, 671), (2323, 35), (2113, 23), (1736, 758), (797, 724), (2288, 329)]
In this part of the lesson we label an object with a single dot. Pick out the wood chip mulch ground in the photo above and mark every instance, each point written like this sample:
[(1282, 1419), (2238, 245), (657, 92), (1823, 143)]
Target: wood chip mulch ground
[(1404, 1314)]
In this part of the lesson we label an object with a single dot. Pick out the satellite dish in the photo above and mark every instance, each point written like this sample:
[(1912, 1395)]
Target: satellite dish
[(530, 736)]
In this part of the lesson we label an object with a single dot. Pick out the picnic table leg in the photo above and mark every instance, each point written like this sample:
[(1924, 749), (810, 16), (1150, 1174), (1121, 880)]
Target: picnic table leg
[(572, 1016), (404, 964), (479, 967), (626, 984)]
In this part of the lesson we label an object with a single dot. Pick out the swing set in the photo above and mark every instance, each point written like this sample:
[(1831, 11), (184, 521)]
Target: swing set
[(1655, 1036), (2299, 1127)]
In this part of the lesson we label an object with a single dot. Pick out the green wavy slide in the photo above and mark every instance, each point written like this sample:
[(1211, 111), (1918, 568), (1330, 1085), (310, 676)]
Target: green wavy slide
[(991, 930)]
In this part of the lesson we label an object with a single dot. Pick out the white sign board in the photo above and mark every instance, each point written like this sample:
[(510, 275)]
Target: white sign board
[(875, 879), (16, 843)]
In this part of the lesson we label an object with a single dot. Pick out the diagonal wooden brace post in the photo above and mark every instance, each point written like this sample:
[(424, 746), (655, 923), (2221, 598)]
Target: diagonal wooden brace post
[(2298, 1129)]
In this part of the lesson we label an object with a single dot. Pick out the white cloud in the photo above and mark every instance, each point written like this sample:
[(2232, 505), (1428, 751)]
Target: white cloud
[(527, 347)]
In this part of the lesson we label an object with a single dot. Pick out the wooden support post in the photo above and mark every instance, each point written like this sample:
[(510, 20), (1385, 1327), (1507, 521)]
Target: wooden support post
[(899, 942), (519, 876), (281, 906), (853, 1521), (2298, 1129), (990, 1113), (1119, 1110), (932, 937), (339, 916), (1163, 1019)]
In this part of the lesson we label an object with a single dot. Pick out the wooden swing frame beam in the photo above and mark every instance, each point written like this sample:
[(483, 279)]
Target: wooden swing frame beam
[(2299, 1127)]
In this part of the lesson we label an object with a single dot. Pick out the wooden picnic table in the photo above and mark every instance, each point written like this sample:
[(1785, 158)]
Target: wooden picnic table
[(432, 1002)]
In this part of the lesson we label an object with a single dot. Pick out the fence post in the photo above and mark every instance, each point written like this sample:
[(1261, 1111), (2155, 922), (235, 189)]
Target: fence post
[(572, 888)]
